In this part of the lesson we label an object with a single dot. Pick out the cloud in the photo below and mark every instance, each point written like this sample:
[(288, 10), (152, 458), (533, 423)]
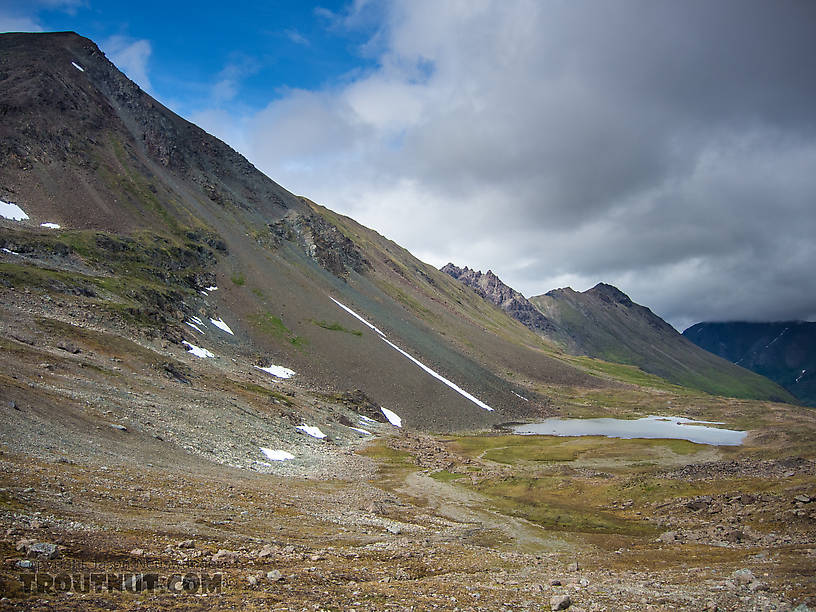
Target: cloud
[(296, 37), (131, 56), (229, 79), (665, 147), (15, 23), (23, 16)]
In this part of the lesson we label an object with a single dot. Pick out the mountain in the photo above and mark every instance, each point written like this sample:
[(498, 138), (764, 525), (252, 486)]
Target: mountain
[(491, 288), (153, 210), (202, 371), (603, 322), (785, 352)]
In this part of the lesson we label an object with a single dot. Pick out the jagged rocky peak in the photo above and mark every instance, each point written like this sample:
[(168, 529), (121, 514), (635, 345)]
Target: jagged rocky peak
[(491, 288)]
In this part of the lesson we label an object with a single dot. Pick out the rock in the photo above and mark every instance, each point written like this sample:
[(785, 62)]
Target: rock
[(395, 529), (315, 558), (560, 602), (274, 576), (583, 582), (711, 607), (224, 556), (701, 503), (805, 499), (69, 347), (668, 537), (555, 583), (743, 577), (252, 580), (43, 549), (137, 552), (734, 536), (119, 427), (25, 564), (757, 585), (23, 545), (401, 574), (186, 544), (267, 551)]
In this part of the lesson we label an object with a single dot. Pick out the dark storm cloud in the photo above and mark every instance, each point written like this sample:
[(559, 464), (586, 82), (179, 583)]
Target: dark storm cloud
[(668, 147)]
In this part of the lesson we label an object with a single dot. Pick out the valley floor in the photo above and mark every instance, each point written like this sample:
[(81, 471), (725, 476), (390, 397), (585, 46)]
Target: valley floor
[(122, 455)]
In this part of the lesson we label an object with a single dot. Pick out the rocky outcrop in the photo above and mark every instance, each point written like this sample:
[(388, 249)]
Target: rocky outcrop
[(491, 288), (321, 241)]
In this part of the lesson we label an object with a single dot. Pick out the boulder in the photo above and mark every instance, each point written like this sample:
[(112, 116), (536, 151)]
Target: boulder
[(43, 550)]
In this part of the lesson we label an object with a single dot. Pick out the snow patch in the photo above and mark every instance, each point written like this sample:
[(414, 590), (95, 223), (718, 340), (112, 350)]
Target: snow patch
[(782, 333), (219, 323), (521, 396), (392, 417), (356, 316), (198, 351), (77, 66), (362, 431), (50, 225), (213, 288), (12, 211), (277, 455), (438, 376), (279, 371), (367, 419), (312, 431), (9, 251), (194, 326), (794, 382)]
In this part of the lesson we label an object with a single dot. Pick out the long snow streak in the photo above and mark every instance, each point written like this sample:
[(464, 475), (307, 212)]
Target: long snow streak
[(438, 376), (356, 316)]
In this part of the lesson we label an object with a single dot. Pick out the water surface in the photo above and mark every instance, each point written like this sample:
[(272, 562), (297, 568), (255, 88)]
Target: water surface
[(653, 427)]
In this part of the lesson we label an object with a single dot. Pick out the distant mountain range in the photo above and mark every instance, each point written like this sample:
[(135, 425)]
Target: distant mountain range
[(604, 323), (785, 352)]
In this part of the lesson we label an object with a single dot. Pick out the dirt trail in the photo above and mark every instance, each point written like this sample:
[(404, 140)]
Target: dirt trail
[(468, 507)]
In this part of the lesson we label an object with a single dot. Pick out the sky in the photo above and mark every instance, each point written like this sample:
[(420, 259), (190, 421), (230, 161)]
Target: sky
[(668, 148)]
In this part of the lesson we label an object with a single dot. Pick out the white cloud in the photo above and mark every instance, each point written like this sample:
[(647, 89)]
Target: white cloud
[(14, 23), (18, 16), (131, 56), (575, 142), (296, 37)]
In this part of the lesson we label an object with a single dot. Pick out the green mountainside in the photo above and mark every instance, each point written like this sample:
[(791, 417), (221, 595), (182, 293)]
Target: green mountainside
[(603, 322)]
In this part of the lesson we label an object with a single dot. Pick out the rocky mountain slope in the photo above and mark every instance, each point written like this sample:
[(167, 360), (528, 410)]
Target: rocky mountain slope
[(202, 374), (604, 323), (491, 288), (785, 352)]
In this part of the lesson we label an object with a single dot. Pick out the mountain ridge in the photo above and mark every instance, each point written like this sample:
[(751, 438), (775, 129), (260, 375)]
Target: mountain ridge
[(604, 323), (784, 351), (120, 171)]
